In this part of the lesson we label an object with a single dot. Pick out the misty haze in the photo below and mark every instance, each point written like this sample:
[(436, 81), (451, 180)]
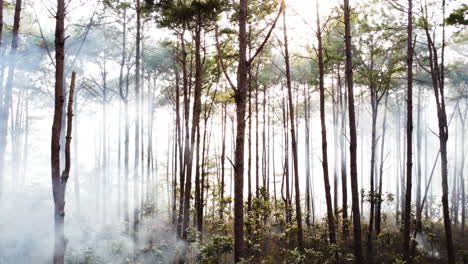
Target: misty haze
[(233, 131)]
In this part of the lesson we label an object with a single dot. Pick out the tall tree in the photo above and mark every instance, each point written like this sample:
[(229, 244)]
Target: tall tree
[(352, 136), (59, 182), (137, 120), (300, 235), (409, 134), (437, 72), (7, 99), (330, 216)]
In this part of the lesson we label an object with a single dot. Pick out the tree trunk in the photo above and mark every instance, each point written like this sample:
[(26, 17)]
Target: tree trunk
[(378, 212), (300, 239), (462, 168), (352, 136), (418, 150), (240, 99), (409, 135), (7, 100), (307, 154), (195, 123), (438, 78), (137, 123), (330, 216), (344, 182)]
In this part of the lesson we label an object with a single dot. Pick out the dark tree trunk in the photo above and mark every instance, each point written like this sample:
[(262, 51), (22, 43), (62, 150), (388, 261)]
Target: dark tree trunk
[(352, 137), (240, 99), (409, 135), (330, 216), (183, 164), (195, 123), (438, 78), (307, 154), (59, 182)]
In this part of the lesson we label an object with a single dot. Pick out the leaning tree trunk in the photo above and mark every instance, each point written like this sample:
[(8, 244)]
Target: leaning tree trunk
[(438, 78)]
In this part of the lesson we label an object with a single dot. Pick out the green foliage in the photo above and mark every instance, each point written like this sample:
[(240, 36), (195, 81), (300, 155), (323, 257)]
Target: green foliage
[(215, 248), (458, 16)]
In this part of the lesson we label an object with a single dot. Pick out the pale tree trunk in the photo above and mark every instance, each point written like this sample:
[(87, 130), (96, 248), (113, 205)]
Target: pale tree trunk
[(300, 235), (378, 209), (137, 123), (419, 169), (7, 100), (462, 167), (344, 181)]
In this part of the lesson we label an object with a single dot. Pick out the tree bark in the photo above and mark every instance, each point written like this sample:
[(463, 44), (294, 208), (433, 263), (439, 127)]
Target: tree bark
[(330, 216), (352, 136), (409, 135), (378, 210)]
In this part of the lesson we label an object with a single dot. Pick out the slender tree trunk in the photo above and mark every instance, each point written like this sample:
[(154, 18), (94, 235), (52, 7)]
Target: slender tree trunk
[(418, 150), (438, 78), (409, 135), (187, 138), (462, 168), (378, 212), (372, 191), (7, 100), (307, 154), (223, 152), (126, 158), (398, 172), (195, 123), (330, 216), (137, 122), (300, 235), (352, 136), (344, 181)]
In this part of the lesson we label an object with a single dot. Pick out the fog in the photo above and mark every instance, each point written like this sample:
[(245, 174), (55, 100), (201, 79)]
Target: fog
[(98, 195)]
